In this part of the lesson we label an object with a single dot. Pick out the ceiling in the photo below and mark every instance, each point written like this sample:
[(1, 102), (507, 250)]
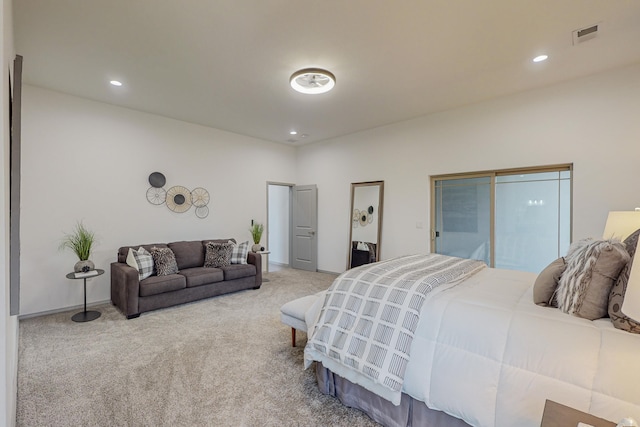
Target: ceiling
[(226, 63)]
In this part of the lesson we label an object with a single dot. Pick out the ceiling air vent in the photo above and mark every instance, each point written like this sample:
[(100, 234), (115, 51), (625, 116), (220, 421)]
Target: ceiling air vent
[(584, 34)]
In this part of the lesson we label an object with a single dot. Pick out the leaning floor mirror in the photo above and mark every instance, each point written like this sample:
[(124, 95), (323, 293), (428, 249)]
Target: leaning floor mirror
[(366, 223)]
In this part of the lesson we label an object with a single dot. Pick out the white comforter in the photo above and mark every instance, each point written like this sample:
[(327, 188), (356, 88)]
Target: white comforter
[(483, 352)]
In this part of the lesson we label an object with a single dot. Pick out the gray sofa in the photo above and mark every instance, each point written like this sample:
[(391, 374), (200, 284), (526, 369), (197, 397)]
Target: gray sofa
[(192, 282)]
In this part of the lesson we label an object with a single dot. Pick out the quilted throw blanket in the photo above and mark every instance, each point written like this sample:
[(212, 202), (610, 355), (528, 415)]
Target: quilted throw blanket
[(370, 315)]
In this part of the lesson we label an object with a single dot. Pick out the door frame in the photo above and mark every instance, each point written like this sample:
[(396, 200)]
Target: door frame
[(290, 242)]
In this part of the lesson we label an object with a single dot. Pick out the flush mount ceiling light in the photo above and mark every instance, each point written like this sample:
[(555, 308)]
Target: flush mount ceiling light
[(115, 83), (312, 81), (540, 58)]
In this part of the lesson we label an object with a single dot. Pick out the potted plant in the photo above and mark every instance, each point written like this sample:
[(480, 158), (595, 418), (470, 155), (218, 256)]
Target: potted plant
[(80, 242), (256, 233)]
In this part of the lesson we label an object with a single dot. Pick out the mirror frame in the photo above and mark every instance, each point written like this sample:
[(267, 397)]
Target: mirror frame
[(355, 185)]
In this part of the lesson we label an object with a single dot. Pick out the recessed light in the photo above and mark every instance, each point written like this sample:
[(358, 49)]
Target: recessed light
[(540, 58), (293, 132), (312, 81), (115, 83)]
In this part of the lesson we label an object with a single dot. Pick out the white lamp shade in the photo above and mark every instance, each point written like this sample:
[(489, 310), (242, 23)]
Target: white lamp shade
[(620, 224)]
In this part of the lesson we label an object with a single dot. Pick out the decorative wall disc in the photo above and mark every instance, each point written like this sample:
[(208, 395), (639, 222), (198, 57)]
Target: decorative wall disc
[(202, 211), (199, 198), (156, 179), (156, 196), (370, 209), (356, 218), (178, 199), (363, 218), (369, 217)]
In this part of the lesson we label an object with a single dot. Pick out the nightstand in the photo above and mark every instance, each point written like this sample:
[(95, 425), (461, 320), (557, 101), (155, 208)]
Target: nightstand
[(557, 415)]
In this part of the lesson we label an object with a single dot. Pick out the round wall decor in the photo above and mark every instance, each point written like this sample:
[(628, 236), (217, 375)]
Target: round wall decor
[(202, 211), (199, 197), (156, 179), (156, 196), (178, 199)]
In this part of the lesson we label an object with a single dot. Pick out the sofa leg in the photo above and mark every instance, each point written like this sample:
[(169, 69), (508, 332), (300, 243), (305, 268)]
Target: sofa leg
[(293, 337), (133, 316)]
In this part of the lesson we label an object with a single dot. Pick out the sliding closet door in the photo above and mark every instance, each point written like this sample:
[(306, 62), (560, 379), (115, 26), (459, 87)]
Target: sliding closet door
[(532, 219), (463, 217), (512, 219)]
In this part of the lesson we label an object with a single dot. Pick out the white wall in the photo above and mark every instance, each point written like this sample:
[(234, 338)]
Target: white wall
[(591, 122), (90, 161), (279, 223), (8, 324)]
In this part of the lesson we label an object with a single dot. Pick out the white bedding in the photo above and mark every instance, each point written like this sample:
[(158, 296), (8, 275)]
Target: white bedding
[(483, 352)]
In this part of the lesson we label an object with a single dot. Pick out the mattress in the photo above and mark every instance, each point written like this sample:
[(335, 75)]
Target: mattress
[(484, 353)]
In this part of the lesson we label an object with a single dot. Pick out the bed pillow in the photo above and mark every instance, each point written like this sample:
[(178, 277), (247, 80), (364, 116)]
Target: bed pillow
[(165, 261), (142, 261), (239, 252), (217, 254), (592, 268), (544, 288), (618, 318)]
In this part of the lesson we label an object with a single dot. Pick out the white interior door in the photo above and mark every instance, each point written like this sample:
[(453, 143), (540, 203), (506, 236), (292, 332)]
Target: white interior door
[(305, 225)]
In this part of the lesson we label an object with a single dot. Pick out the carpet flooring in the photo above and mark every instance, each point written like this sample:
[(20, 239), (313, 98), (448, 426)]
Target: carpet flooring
[(224, 361)]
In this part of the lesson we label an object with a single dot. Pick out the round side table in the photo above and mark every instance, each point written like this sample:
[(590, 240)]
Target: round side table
[(86, 316)]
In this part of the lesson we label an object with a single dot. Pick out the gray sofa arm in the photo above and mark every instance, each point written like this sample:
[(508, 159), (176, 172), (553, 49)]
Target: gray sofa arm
[(256, 259), (125, 288)]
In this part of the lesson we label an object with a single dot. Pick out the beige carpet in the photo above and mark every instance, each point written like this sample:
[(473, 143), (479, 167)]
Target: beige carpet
[(225, 361)]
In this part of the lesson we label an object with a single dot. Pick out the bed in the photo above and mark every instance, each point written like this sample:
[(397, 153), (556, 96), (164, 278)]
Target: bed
[(483, 354)]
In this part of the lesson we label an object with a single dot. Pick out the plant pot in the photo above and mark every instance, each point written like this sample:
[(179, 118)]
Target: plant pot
[(257, 248), (84, 266)]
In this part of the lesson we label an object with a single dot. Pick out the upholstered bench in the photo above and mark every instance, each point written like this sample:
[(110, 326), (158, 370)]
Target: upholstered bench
[(293, 314)]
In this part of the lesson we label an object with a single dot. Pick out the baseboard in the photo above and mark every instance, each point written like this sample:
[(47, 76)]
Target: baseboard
[(61, 310), (328, 272)]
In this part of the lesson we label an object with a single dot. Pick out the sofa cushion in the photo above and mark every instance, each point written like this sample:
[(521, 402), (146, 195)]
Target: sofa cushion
[(160, 284), (142, 261), (199, 276), (164, 261), (239, 253), (238, 271), (123, 252), (217, 254), (188, 254)]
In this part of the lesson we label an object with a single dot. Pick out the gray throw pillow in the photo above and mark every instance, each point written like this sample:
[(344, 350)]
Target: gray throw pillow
[(218, 254), (616, 297), (593, 267), (544, 288), (164, 260)]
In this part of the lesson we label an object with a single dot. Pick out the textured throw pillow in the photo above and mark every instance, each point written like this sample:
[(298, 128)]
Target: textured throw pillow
[(239, 253), (218, 254), (544, 288), (164, 260), (593, 267), (142, 261), (619, 319)]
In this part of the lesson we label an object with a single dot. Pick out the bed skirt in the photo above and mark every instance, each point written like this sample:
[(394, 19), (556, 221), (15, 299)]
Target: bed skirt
[(409, 413)]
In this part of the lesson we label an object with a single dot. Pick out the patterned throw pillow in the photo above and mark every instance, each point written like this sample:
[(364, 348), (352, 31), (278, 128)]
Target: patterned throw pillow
[(239, 253), (592, 269), (218, 254), (164, 260), (142, 261), (616, 298)]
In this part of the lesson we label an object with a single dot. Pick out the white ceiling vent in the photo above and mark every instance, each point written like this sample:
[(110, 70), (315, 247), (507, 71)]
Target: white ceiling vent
[(585, 34)]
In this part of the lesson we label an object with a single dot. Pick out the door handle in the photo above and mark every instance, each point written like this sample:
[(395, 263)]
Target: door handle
[(313, 233)]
